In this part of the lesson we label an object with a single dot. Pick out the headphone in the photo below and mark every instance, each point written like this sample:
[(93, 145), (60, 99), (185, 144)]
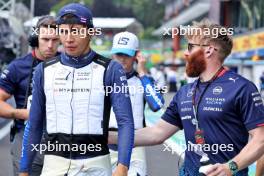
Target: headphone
[(33, 37)]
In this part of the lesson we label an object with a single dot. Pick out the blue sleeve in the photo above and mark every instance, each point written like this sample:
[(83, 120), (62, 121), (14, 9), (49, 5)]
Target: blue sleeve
[(251, 106), (8, 79), (115, 76), (34, 128), (171, 115), (152, 94)]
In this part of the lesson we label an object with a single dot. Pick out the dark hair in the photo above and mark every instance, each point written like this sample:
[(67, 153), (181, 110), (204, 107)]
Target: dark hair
[(224, 41), (46, 21)]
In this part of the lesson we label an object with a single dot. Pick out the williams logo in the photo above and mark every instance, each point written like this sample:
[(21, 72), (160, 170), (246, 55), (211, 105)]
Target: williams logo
[(217, 90)]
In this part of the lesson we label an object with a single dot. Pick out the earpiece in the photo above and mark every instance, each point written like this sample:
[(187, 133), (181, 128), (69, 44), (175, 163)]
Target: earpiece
[(33, 37)]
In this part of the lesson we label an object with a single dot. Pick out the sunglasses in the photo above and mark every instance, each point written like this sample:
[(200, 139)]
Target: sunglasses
[(192, 45)]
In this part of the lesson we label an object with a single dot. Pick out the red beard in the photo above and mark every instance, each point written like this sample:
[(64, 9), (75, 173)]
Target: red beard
[(195, 63)]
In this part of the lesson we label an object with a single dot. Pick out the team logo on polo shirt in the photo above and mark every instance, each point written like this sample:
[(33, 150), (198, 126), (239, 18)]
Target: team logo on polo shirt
[(190, 93), (194, 121), (217, 90), (233, 79), (4, 74)]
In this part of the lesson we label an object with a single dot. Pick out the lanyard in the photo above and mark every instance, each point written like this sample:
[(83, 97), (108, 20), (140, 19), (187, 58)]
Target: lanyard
[(195, 106)]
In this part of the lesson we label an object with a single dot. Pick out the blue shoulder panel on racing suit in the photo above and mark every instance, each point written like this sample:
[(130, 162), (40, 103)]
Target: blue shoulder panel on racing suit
[(152, 94), (34, 127), (122, 108), (120, 102)]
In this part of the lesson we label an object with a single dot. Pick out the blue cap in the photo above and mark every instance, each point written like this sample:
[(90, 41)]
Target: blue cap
[(82, 13)]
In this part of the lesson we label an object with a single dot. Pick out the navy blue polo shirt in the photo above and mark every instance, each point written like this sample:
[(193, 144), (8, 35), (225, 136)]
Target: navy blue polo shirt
[(230, 107), (15, 79)]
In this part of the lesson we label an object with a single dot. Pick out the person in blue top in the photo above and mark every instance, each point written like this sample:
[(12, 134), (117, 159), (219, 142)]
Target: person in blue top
[(72, 102), (218, 112), (142, 90), (16, 81), (260, 162)]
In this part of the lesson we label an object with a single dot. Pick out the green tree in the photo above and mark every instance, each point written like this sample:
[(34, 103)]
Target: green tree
[(148, 12), (64, 2)]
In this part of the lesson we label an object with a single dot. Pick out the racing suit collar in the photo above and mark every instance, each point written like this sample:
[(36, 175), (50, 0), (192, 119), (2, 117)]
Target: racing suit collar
[(77, 62)]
